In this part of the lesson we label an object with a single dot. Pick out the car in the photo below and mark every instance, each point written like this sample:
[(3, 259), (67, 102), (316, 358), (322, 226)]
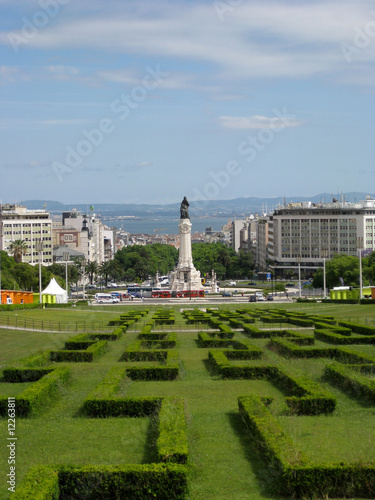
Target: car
[(232, 283), (269, 297), (290, 284), (252, 283), (253, 298), (227, 294)]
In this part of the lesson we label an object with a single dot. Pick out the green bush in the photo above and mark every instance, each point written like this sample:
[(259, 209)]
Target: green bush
[(335, 338), (172, 446), (290, 349), (361, 329), (168, 371), (93, 482), (103, 402), (349, 380), (306, 396), (293, 475), (41, 483), (39, 394), (93, 352)]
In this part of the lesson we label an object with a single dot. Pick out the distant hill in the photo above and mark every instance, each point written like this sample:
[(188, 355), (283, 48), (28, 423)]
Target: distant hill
[(228, 208)]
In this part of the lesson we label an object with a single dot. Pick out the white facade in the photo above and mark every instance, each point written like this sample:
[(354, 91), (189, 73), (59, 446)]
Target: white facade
[(91, 241), (317, 232), (185, 276), (19, 223)]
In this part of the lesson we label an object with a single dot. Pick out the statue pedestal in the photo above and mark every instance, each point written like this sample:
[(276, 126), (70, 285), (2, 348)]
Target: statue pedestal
[(185, 276)]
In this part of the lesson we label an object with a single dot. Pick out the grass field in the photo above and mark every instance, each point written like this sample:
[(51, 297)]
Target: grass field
[(222, 460)]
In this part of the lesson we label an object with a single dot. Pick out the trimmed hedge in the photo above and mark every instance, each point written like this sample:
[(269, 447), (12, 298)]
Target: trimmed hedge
[(172, 445), (361, 329), (91, 482), (87, 356), (306, 397), (292, 474), (17, 375), (347, 355), (102, 401), (278, 450), (41, 483), (207, 340), (336, 338), (319, 325), (39, 394), (290, 349), (350, 381), (169, 371)]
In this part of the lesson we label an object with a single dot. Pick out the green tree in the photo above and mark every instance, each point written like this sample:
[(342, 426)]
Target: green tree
[(92, 269), (18, 248), (105, 271), (340, 268)]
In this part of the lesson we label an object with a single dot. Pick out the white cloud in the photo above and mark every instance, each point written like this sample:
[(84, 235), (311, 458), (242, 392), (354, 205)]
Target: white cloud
[(254, 40), (257, 122)]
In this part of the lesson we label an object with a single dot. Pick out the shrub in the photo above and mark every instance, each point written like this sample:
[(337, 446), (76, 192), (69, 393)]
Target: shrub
[(39, 394), (41, 483), (92, 482), (293, 474), (361, 329), (93, 352), (172, 443), (349, 380)]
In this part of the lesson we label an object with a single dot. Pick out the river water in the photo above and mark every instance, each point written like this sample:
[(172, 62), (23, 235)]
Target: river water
[(166, 226)]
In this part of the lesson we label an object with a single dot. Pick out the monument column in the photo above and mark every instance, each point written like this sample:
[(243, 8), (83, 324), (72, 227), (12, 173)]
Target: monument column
[(185, 276), (184, 256)]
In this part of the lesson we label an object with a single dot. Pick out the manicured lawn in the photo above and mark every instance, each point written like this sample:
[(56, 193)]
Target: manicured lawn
[(223, 463)]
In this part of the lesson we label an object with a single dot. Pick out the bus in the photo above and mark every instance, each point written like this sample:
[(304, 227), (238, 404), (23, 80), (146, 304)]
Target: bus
[(140, 291), (161, 294), (106, 298), (191, 293), (166, 294)]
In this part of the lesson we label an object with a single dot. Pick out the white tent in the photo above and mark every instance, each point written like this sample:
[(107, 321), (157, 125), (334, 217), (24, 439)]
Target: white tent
[(55, 289)]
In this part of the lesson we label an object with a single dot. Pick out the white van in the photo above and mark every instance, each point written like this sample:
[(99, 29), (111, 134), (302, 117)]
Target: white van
[(106, 298)]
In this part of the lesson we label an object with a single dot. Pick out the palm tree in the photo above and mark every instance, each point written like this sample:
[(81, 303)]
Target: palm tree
[(18, 248), (105, 271), (92, 269)]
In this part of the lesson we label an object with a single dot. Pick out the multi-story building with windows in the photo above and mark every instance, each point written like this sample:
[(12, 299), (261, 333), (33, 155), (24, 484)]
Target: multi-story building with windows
[(262, 244), (82, 233), (31, 226), (308, 233)]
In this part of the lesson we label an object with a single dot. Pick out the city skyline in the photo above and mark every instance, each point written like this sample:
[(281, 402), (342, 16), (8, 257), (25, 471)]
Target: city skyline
[(132, 102)]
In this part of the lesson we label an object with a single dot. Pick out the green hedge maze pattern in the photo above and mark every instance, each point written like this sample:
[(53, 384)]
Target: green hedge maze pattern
[(266, 368)]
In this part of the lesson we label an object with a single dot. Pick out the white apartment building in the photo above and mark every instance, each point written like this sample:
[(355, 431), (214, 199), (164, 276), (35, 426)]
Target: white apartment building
[(262, 244), (313, 232), (82, 233), (31, 226)]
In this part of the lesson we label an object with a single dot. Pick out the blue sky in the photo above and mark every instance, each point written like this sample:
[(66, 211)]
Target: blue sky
[(146, 102)]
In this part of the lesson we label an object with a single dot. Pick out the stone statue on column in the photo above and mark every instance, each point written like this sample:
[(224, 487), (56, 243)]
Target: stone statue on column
[(184, 209), (185, 277)]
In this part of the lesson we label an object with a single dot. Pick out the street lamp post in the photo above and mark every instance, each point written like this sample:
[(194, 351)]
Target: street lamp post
[(359, 248), (39, 246), (298, 259), (66, 259), (324, 255)]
